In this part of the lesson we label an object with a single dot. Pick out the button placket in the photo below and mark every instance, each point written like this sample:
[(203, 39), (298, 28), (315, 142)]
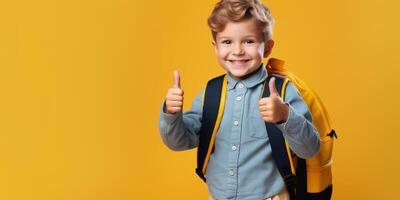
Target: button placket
[(238, 105), (234, 147)]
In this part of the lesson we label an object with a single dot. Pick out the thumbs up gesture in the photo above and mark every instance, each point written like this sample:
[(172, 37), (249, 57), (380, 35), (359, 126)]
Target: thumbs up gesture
[(174, 98), (272, 108)]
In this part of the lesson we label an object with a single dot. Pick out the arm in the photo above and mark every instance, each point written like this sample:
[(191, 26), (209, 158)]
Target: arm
[(179, 131), (298, 130)]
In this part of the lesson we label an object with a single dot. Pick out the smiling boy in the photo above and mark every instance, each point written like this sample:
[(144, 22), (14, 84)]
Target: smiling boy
[(241, 165)]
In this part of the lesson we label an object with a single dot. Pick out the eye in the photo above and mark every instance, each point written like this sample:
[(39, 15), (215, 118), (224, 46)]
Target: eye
[(226, 42), (249, 41)]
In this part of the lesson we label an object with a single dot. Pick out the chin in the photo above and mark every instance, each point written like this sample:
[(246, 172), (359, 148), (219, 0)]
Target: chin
[(239, 75)]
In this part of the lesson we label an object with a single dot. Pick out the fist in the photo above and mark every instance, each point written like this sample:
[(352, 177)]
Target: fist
[(174, 98), (272, 108)]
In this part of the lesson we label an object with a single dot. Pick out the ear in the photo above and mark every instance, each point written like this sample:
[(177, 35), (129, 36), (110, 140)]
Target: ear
[(268, 48)]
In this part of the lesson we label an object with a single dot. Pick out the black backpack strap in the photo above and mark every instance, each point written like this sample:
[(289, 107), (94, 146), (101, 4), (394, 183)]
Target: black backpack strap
[(213, 108), (280, 150), (301, 176)]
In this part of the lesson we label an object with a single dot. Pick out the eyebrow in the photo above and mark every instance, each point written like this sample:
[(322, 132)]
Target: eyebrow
[(246, 36)]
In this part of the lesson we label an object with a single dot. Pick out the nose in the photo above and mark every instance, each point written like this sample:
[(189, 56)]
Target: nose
[(238, 49)]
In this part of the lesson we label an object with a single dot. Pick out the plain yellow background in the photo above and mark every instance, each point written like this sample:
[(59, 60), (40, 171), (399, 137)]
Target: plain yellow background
[(82, 82)]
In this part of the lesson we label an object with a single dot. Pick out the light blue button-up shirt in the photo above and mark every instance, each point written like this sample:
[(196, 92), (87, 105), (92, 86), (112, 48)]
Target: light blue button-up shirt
[(242, 166)]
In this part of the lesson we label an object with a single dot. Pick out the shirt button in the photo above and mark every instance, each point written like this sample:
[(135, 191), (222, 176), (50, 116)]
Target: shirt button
[(231, 172), (235, 123), (239, 98), (240, 85), (234, 147)]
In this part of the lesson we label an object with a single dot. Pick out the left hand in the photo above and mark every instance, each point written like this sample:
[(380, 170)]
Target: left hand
[(272, 108)]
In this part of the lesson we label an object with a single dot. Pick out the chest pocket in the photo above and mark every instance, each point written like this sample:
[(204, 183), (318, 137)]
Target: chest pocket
[(257, 127)]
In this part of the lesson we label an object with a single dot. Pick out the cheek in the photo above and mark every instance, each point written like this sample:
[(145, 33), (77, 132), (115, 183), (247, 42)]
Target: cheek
[(222, 53), (259, 52), (255, 51)]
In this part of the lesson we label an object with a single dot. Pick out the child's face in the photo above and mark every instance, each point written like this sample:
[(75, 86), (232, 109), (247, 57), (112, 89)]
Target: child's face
[(240, 48)]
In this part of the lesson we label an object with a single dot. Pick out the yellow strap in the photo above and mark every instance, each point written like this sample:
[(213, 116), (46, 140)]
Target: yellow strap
[(217, 123), (283, 90)]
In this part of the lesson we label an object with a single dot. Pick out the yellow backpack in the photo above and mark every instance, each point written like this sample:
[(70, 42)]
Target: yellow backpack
[(319, 167)]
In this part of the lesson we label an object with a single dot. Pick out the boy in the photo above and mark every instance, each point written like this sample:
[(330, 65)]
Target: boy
[(242, 166)]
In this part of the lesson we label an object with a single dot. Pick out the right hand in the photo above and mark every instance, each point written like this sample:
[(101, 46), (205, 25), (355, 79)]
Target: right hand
[(174, 98)]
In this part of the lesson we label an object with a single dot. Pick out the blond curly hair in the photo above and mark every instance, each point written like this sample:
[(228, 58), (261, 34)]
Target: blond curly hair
[(237, 10)]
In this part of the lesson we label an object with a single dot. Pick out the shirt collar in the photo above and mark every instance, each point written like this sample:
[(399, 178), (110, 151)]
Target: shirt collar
[(259, 76)]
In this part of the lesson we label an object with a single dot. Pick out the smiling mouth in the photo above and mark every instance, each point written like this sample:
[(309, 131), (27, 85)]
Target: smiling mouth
[(238, 62)]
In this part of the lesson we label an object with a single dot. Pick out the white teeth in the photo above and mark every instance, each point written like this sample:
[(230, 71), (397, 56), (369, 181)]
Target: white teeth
[(238, 62)]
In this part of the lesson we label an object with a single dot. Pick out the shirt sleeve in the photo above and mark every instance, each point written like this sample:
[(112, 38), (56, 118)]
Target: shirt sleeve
[(298, 130), (179, 131)]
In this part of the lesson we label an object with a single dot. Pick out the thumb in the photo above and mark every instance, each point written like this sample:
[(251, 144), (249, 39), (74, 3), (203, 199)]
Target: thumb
[(272, 88), (177, 79)]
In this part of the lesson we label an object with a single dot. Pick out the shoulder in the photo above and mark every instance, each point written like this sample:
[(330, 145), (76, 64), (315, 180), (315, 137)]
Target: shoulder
[(279, 77), (290, 90), (216, 83), (217, 78), (281, 81)]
